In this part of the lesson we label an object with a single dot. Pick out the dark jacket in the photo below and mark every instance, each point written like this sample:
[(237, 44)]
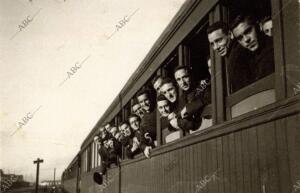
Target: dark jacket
[(196, 99), (246, 67), (130, 154), (148, 125), (238, 67), (108, 157), (166, 128)]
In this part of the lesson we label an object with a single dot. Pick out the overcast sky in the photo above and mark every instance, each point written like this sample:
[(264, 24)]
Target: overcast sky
[(40, 42)]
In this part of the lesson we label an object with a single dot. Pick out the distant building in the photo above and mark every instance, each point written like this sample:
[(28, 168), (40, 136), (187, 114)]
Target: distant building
[(50, 182), (8, 181)]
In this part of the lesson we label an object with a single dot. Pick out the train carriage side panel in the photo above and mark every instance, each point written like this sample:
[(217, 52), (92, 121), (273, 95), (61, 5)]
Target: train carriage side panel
[(234, 158)]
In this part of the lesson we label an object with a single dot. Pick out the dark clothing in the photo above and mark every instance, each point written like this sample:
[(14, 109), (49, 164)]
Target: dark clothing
[(195, 99), (238, 67), (117, 147), (166, 128), (261, 62), (108, 157), (130, 154), (246, 67), (148, 127)]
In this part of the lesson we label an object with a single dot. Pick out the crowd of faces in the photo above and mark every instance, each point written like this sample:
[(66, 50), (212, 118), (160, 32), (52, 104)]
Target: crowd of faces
[(167, 88)]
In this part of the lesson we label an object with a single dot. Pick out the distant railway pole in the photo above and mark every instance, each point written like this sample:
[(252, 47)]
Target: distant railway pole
[(37, 162), (54, 177)]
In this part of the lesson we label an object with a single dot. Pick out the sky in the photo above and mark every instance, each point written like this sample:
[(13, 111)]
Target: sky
[(62, 62)]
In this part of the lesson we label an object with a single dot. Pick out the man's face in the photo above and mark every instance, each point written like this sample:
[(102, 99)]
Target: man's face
[(103, 132), (144, 102), (125, 129), (118, 136), (219, 41), (169, 91), (137, 109), (113, 130), (246, 35), (163, 108), (107, 127), (157, 85), (267, 28), (108, 143), (183, 79), (134, 123)]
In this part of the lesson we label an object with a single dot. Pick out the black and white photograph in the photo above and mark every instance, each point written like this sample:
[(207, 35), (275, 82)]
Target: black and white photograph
[(161, 96)]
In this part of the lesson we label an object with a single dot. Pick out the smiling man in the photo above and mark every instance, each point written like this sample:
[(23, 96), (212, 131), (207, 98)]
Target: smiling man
[(148, 122), (219, 38), (221, 42)]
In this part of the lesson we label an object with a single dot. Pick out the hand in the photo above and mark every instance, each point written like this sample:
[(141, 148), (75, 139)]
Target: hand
[(136, 141), (147, 151), (172, 116), (134, 146), (183, 113), (174, 123)]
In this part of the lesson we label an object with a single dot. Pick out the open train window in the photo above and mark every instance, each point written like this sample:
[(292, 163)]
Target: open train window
[(196, 52), (248, 54)]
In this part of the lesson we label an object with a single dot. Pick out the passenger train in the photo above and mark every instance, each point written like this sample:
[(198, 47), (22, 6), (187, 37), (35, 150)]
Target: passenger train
[(252, 144)]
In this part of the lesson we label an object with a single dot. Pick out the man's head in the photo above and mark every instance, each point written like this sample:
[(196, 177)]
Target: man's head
[(113, 130), (182, 77), (156, 82), (143, 98), (108, 143), (118, 136), (244, 29), (168, 89), (137, 109), (134, 122), (107, 127), (103, 134), (125, 128), (163, 106), (267, 26), (219, 38)]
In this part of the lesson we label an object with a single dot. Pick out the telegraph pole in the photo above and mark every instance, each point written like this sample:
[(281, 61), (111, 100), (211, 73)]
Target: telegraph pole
[(54, 177), (37, 162)]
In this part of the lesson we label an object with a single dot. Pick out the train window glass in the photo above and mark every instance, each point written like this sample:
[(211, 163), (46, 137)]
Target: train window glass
[(98, 157), (89, 158), (84, 161), (94, 150), (170, 64), (249, 56), (93, 154)]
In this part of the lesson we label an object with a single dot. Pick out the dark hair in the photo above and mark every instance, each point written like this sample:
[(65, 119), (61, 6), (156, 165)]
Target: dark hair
[(161, 98), (155, 79), (124, 122), (187, 68), (242, 18), (265, 19), (107, 123), (167, 80), (143, 91), (133, 115), (218, 25)]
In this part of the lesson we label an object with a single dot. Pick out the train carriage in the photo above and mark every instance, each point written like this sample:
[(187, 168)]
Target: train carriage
[(253, 142)]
